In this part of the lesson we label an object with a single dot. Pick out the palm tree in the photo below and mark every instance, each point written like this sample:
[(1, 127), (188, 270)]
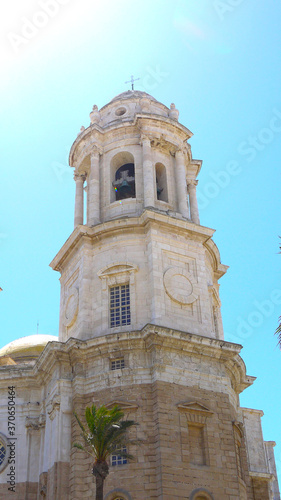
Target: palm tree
[(106, 434)]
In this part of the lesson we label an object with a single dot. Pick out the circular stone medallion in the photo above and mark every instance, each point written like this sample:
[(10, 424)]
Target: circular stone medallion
[(71, 307), (179, 286)]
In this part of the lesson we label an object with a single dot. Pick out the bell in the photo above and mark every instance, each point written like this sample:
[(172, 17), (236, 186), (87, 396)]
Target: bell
[(124, 188)]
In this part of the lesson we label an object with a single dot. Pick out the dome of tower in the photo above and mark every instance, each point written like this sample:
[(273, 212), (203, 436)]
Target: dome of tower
[(26, 349), (125, 106), (136, 94)]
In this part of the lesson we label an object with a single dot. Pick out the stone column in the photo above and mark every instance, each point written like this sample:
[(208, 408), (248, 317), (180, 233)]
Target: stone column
[(79, 199), (148, 173), (93, 193), (194, 212), (181, 184)]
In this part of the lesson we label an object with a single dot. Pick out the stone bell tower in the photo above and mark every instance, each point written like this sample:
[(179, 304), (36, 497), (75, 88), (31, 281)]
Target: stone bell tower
[(141, 229), (140, 320)]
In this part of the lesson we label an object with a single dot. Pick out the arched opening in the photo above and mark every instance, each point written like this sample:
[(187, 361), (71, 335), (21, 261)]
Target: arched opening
[(161, 182), (123, 177), (118, 494), (201, 494), (124, 183)]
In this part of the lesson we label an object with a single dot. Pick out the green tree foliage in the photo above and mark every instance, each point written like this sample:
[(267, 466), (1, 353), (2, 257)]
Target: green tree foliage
[(106, 432)]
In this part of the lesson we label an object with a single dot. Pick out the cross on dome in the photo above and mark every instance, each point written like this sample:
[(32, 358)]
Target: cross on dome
[(132, 81)]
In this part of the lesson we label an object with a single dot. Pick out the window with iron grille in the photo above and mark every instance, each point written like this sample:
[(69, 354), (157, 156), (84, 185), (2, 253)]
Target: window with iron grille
[(2, 452), (120, 313), (117, 364), (4, 455), (116, 458)]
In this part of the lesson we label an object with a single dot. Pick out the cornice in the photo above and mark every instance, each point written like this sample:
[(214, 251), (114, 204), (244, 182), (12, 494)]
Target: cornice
[(214, 254), (111, 227), (150, 339), (252, 410), (144, 122), (262, 476)]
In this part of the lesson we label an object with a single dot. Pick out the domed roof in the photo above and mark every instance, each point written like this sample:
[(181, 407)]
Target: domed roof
[(27, 348), (136, 94)]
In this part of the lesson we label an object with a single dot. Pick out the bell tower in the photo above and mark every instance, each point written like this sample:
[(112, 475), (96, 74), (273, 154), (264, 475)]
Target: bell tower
[(140, 320), (140, 327), (140, 256)]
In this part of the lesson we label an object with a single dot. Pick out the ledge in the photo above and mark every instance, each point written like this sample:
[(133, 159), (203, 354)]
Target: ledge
[(262, 476), (148, 216)]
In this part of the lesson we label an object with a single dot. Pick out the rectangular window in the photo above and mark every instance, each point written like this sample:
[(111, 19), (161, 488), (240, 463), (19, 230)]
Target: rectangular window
[(196, 445), (120, 313), (116, 458), (117, 364)]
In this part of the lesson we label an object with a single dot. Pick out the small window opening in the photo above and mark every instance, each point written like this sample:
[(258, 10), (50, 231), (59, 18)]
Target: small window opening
[(117, 457), (120, 111), (161, 182), (117, 364), (120, 312), (124, 183)]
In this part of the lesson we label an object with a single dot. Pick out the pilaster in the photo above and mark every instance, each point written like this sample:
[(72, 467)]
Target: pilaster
[(148, 173), (194, 212), (93, 199), (79, 199), (181, 183)]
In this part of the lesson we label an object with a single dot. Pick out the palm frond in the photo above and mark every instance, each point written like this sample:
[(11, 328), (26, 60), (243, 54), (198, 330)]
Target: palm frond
[(81, 447), (106, 432)]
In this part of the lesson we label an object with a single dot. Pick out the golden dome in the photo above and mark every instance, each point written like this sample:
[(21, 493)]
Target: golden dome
[(27, 348)]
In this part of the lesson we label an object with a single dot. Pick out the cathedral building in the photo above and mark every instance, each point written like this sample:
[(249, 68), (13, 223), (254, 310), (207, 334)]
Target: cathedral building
[(140, 326)]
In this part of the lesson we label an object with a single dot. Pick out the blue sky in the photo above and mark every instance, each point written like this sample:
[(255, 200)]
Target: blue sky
[(219, 61)]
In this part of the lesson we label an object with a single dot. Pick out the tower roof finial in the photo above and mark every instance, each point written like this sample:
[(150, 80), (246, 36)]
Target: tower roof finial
[(132, 81)]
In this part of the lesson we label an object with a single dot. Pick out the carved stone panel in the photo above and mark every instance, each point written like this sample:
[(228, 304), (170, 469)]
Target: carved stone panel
[(71, 306), (179, 285)]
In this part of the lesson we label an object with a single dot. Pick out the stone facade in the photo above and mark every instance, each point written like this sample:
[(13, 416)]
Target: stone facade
[(140, 326)]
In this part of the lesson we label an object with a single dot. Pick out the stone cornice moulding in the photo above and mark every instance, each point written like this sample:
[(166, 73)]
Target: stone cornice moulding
[(244, 410), (162, 141), (193, 168), (154, 337), (35, 423), (150, 338), (119, 225), (117, 268), (94, 132), (270, 443), (195, 412), (262, 476), (125, 406), (214, 254), (51, 358), (86, 152), (140, 121)]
